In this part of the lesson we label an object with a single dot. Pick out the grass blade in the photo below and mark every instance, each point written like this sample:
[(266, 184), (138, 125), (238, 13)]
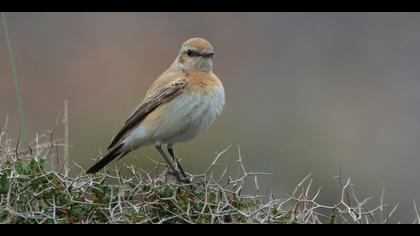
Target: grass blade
[(16, 81)]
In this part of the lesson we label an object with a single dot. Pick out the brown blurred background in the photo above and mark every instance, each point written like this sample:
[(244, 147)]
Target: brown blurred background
[(306, 92)]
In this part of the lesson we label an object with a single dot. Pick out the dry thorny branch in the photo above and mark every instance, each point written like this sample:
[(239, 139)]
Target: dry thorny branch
[(33, 190)]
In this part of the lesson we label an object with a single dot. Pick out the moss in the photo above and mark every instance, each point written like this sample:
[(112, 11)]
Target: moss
[(4, 182)]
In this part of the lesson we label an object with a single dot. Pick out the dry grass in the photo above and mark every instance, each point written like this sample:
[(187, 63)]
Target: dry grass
[(35, 188)]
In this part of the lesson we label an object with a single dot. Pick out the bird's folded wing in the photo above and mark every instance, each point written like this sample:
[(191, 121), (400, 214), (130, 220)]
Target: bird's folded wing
[(161, 96)]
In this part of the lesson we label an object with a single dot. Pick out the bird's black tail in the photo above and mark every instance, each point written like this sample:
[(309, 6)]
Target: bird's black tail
[(111, 155)]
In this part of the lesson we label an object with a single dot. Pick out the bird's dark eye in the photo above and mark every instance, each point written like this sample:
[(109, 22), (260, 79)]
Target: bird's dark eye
[(190, 52)]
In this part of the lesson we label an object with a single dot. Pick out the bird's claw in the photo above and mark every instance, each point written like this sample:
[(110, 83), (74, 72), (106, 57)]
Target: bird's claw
[(176, 175)]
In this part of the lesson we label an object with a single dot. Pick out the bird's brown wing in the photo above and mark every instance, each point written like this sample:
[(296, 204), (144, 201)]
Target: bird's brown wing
[(161, 96)]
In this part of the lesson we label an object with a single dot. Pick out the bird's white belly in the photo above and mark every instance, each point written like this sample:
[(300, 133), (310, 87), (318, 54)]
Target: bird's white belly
[(188, 115)]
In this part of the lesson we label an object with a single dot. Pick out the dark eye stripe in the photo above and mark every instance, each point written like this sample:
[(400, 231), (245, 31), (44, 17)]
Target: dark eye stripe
[(193, 53)]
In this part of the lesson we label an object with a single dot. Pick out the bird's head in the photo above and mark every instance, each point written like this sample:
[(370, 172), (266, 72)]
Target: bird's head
[(195, 54)]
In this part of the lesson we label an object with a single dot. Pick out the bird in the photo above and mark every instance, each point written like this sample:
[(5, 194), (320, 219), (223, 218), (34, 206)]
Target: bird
[(181, 103)]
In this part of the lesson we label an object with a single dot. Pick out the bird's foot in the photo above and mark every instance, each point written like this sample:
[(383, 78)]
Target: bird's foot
[(179, 179)]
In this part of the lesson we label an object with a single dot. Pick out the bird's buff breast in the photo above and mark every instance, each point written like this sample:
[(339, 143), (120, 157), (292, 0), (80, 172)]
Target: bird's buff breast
[(183, 118)]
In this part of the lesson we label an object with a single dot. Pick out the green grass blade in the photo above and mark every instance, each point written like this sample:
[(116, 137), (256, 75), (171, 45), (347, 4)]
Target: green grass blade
[(16, 81)]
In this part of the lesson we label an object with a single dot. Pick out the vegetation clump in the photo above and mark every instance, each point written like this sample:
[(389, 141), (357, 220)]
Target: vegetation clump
[(35, 189)]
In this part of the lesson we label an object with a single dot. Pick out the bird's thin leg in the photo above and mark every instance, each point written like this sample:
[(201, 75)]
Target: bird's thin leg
[(171, 166), (170, 148)]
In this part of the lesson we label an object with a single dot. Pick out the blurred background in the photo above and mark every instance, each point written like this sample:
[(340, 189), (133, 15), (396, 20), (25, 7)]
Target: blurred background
[(306, 92)]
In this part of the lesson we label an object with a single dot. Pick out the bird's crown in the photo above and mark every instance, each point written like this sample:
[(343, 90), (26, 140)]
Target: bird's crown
[(198, 44)]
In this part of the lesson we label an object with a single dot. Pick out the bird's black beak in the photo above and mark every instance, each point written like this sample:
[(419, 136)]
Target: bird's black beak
[(207, 54)]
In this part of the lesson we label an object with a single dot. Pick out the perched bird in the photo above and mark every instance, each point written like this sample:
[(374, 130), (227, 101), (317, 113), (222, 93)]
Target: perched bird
[(182, 102)]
